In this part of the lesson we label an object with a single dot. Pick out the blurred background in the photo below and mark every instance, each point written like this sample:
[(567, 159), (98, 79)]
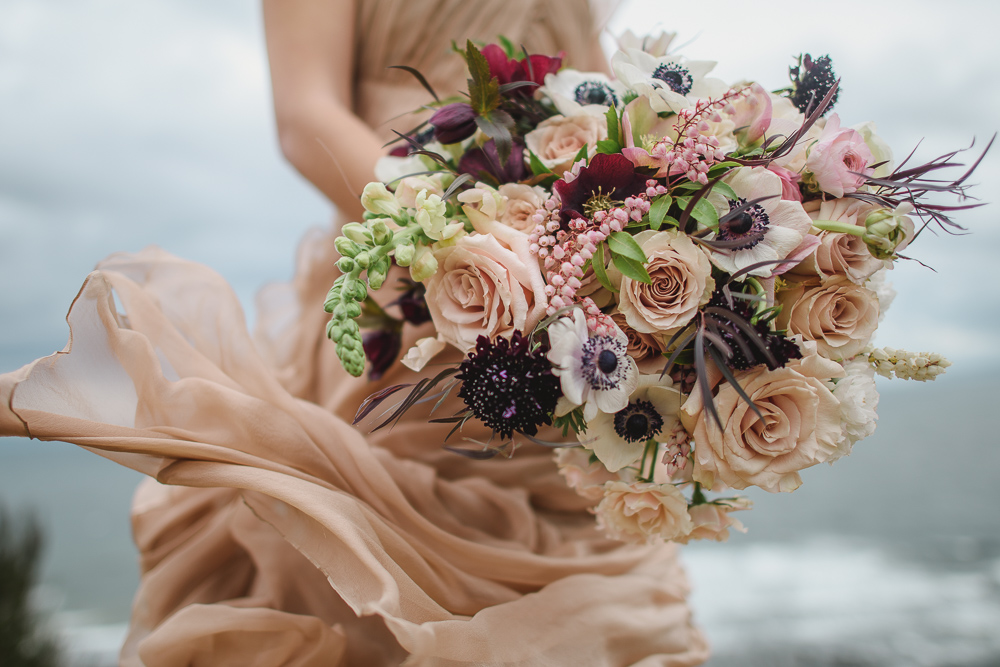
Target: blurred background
[(128, 124)]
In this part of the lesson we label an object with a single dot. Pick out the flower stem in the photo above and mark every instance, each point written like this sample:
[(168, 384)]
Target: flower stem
[(841, 227)]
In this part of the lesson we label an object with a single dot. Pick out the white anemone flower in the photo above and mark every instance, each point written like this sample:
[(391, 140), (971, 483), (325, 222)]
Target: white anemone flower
[(654, 45), (670, 82), (768, 230), (619, 439), (594, 371), (576, 93)]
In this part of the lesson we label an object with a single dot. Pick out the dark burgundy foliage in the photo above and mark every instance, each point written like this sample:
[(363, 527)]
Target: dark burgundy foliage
[(509, 70), (607, 174), (745, 353), (382, 348), (508, 386), (454, 122), (484, 163)]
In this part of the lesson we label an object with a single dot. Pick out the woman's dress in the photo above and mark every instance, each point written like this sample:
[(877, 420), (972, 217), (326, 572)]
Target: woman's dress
[(272, 531)]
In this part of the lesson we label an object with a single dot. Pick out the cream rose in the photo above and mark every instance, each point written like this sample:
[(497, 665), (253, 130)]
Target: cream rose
[(557, 141), (712, 520), (643, 512), (840, 254), (484, 288), (800, 426), (839, 315), (522, 202), (682, 281)]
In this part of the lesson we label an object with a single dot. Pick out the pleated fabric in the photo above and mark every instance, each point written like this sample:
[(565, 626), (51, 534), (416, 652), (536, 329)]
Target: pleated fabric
[(271, 531)]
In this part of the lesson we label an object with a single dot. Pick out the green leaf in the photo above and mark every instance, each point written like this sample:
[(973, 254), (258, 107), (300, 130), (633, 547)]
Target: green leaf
[(614, 129), (658, 211), (703, 211), (721, 168), (622, 243), (726, 191), (600, 269), (581, 154), (508, 46), (497, 125), (608, 146), (631, 269), (671, 221), (537, 168), (484, 88)]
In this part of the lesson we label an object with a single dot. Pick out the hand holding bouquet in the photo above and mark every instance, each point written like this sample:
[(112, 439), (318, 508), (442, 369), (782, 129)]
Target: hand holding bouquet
[(682, 275)]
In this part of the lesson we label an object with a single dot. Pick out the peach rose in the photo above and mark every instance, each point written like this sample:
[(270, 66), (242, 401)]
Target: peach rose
[(522, 202), (643, 512), (840, 254), (646, 349), (839, 315), (682, 281), (800, 426), (583, 476), (712, 520), (557, 141), (484, 288)]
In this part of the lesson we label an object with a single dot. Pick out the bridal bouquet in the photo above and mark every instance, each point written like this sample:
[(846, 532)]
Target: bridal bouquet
[(679, 275)]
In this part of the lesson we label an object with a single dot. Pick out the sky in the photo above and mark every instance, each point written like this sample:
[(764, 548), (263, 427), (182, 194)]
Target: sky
[(127, 124)]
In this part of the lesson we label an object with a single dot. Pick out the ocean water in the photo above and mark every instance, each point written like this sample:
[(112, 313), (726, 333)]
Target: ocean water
[(890, 557)]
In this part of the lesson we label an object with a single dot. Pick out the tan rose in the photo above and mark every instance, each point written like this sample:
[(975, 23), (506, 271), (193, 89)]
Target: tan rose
[(646, 349), (682, 281), (557, 141), (800, 426), (483, 287), (522, 202), (840, 254), (712, 520), (583, 476), (839, 315), (643, 512)]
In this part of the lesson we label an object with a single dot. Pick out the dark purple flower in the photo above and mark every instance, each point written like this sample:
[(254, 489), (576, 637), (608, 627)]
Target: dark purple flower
[(382, 348), (508, 70), (453, 123), (508, 386), (485, 161), (413, 304), (606, 181), (746, 354)]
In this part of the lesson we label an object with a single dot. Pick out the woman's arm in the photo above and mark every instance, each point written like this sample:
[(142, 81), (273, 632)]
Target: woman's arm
[(310, 44)]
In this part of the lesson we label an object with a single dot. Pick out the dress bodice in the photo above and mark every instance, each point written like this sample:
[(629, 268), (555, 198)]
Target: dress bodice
[(395, 32)]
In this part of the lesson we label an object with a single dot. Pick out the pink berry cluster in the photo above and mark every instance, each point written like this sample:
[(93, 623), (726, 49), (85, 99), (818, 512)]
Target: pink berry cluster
[(694, 152), (565, 252)]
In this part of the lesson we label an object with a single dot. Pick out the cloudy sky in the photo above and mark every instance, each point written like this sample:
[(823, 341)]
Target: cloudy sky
[(126, 124)]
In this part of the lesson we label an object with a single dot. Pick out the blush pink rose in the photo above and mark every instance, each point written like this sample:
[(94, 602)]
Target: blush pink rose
[(522, 202), (557, 141), (712, 521), (485, 288), (837, 314), (840, 254), (836, 158), (643, 512), (800, 426), (583, 476)]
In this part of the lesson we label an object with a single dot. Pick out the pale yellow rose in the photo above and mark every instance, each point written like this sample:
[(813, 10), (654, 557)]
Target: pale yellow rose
[(483, 287), (837, 314), (682, 281), (522, 202), (800, 426), (643, 512), (557, 140), (840, 254)]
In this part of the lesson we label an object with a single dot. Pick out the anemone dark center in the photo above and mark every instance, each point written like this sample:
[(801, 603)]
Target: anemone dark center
[(594, 92), (676, 76), (638, 422), (747, 227), (607, 361)]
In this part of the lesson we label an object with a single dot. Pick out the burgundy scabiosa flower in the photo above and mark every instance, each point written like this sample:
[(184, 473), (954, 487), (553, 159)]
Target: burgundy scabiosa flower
[(413, 304), (746, 354), (382, 347), (508, 70), (453, 123), (484, 163), (607, 181), (811, 81), (508, 386)]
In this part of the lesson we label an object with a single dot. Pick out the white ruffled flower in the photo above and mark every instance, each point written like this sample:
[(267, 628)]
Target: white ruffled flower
[(884, 291), (668, 81), (858, 402), (619, 439), (575, 93), (594, 371), (771, 229)]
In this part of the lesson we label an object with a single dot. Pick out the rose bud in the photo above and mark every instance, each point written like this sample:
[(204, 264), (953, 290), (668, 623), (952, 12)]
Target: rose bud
[(453, 123)]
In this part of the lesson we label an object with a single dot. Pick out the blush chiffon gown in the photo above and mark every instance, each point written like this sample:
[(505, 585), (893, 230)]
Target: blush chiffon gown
[(272, 532)]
